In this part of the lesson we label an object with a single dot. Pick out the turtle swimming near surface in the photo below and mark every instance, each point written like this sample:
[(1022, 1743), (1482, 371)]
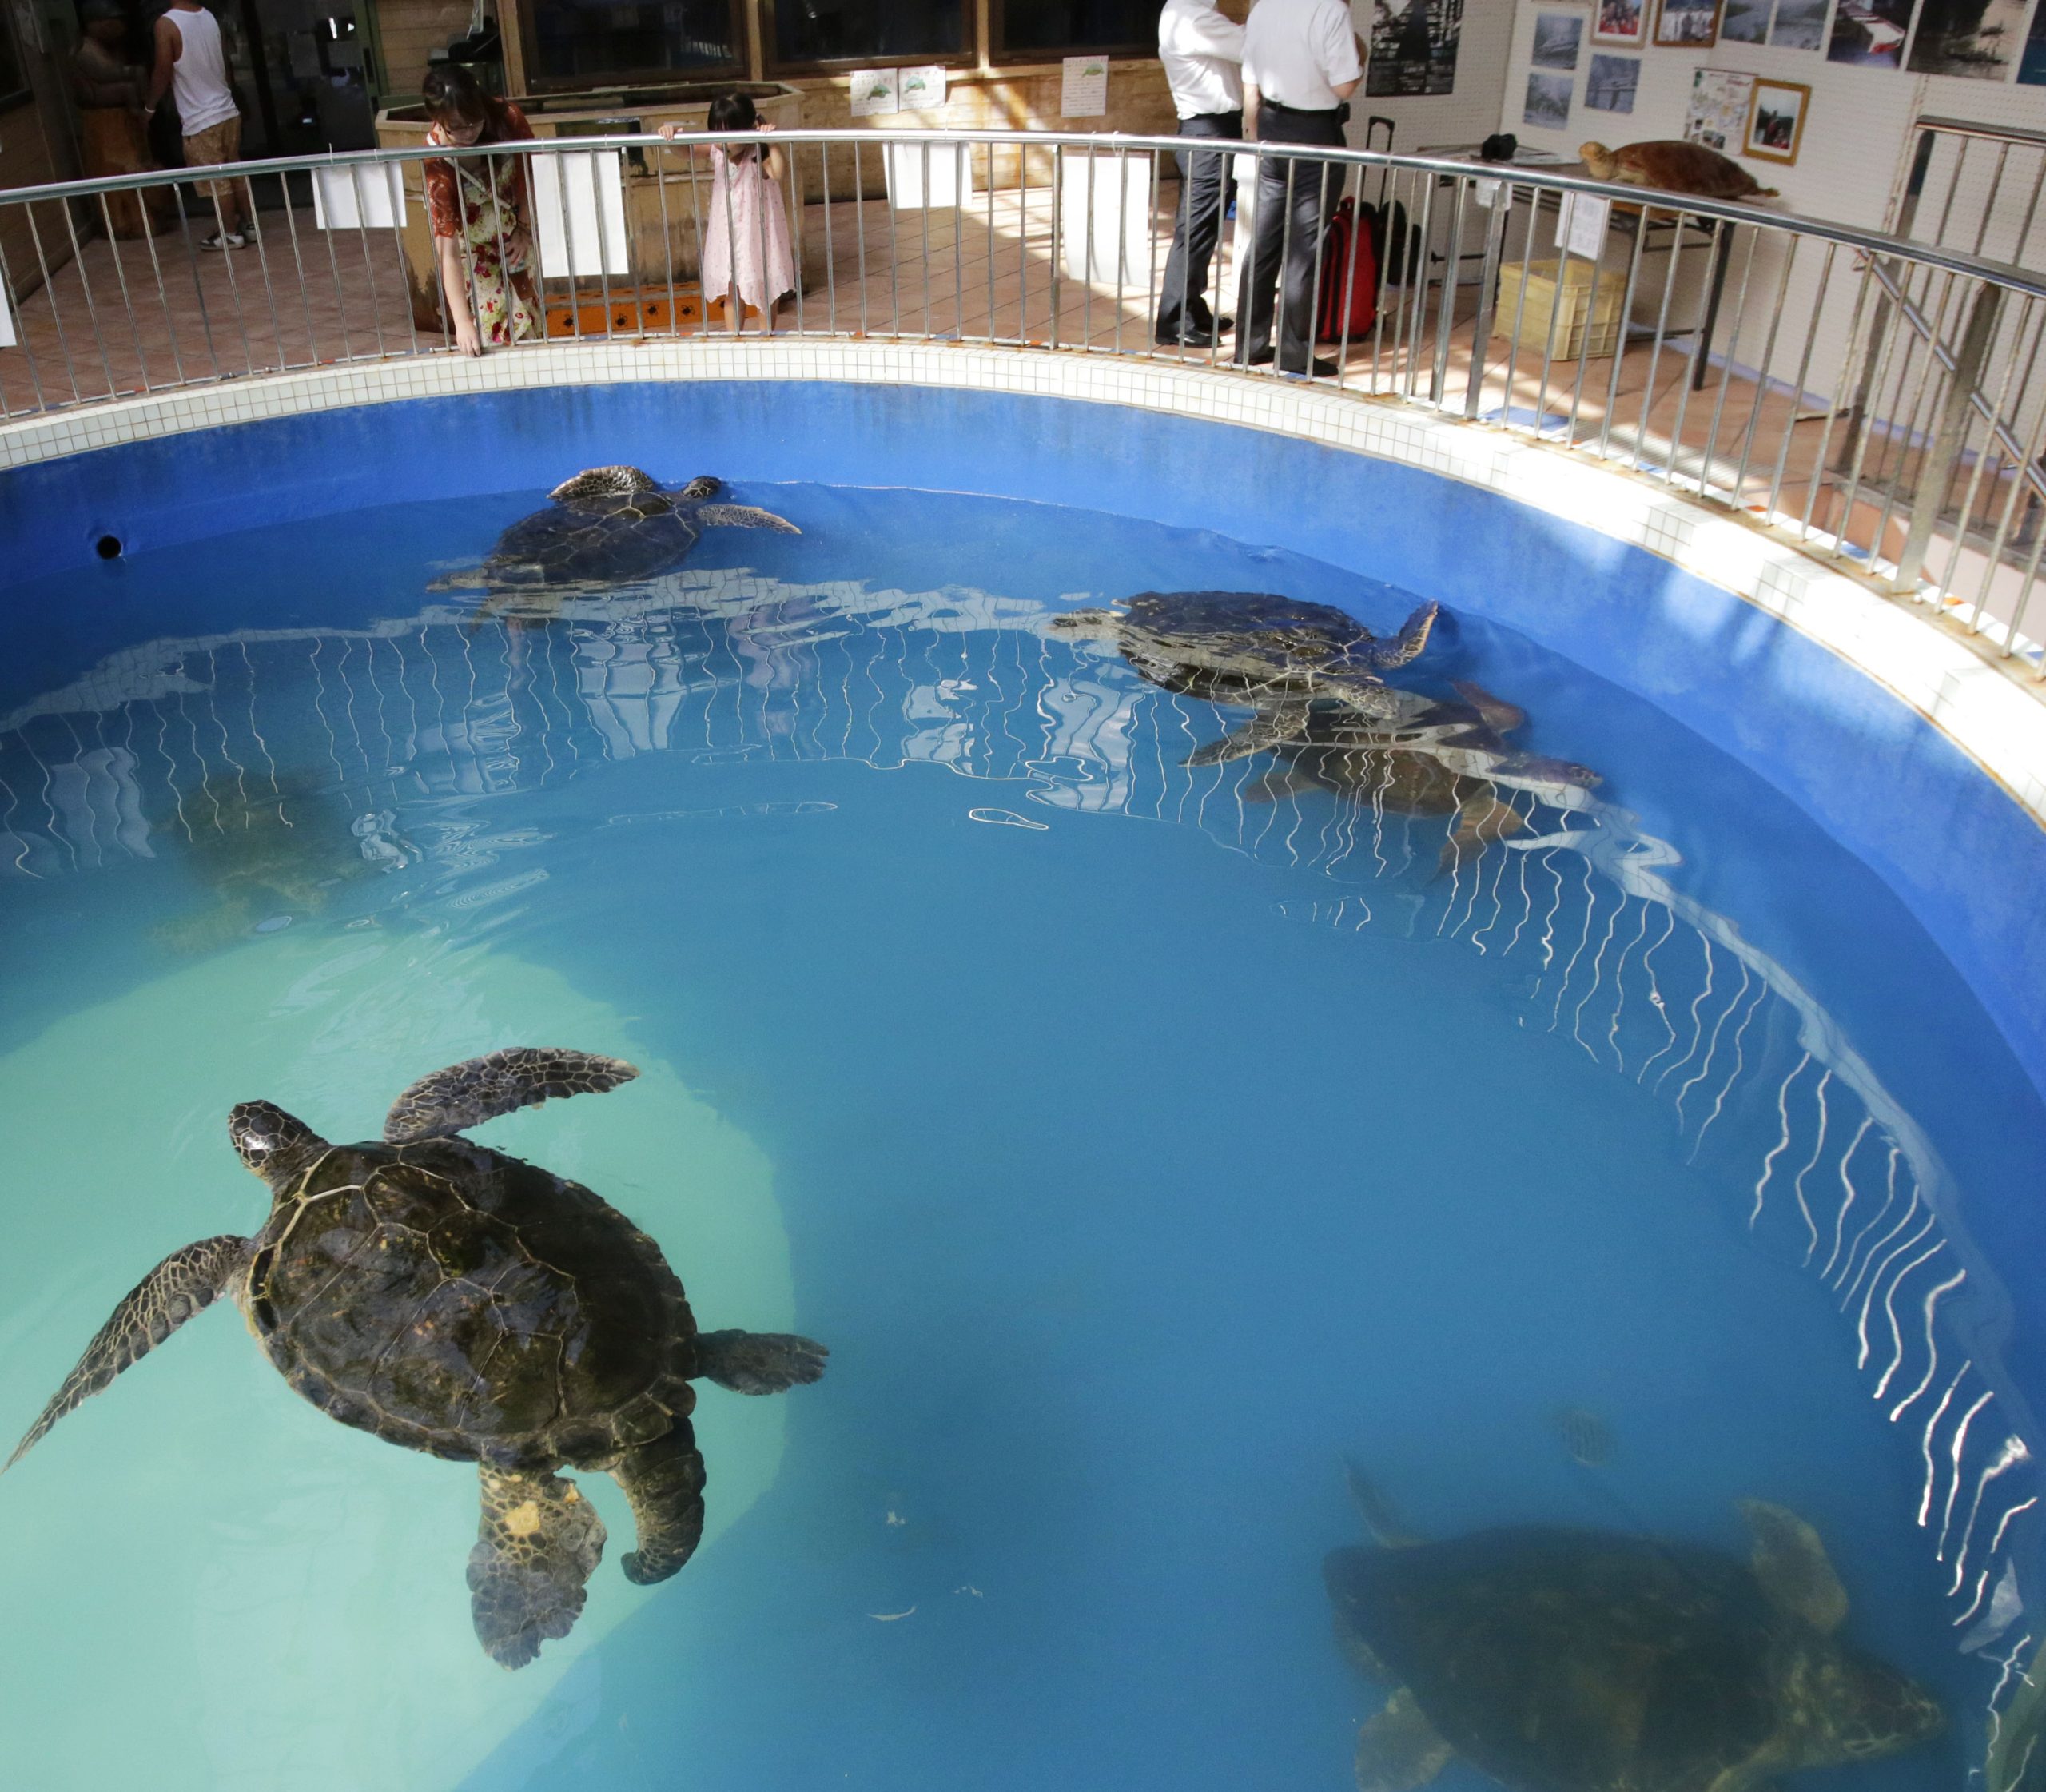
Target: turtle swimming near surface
[(1559, 1660), (459, 1301), (1274, 654), (606, 526)]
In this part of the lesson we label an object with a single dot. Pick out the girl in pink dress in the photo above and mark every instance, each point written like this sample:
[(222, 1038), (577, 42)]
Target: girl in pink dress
[(747, 261)]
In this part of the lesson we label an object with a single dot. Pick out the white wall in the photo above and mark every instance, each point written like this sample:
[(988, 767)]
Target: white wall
[(1851, 167)]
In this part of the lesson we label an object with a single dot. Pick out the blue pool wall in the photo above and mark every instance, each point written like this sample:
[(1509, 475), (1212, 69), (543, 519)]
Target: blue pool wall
[(1966, 860)]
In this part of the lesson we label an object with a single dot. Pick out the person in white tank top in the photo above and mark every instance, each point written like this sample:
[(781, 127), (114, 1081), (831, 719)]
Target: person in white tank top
[(192, 63)]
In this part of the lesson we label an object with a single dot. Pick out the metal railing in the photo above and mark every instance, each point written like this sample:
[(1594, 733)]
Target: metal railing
[(1875, 398)]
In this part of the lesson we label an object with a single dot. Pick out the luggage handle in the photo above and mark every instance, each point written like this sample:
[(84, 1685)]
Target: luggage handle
[(1371, 129)]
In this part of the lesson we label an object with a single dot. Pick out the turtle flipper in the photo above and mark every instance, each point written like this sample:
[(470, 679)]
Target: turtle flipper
[(539, 1543), (186, 1282), (759, 1362), (664, 1481), (743, 516), (1399, 1749), (1275, 726), (1791, 1564), (1387, 656), (467, 1094)]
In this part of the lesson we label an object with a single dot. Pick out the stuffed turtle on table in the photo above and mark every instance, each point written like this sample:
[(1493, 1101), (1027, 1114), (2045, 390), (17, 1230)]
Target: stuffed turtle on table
[(1671, 164), (1559, 1660), (606, 526), (457, 1300), (1275, 655)]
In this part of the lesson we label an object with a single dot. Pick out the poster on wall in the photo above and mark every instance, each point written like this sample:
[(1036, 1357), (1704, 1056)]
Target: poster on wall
[(2031, 66), (873, 91), (1618, 24), (1746, 21), (1687, 24), (1547, 107), (1967, 38), (1610, 85), (1870, 34), (1414, 48), (1717, 114), (1799, 25), (1083, 91), (1557, 38), (921, 90)]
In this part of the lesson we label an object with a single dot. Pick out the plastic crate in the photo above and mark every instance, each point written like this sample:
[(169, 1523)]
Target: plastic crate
[(1582, 329)]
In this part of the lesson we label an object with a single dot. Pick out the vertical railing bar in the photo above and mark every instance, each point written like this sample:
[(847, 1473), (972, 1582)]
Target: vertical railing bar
[(2026, 312), (1791, 245), (1057, 254), (797, 212), (465, 255), (163, 298), (1122, 237), (991, 336), (604, 245), (1855, 363), (1349, 277), (1928, 385), (85, 286), (233, 285), (1087, 275), (1378, 273), (1726, 368), (1798, 386), (1322, 170), (923, 222), (2020, 488), (1452, 273), (1655, 343), (1217, 307), (1696, 357), (859, 225), (1961, 148), (1500, 211), (1591, 323), (2026, 586), (1147, 341), (369, 265), (661, 152), (1894, 326), (963, 176), (891, 151), (1520, 300), (1292, 164), (1627, 295), (263, 265), (393, 176), (121, 275), (298, 259), (198, 287), (334, 264), (1415, 261), (702, 244), (49, 294), (830, 250), (1989, 203), (568, 237), (1549, 342)]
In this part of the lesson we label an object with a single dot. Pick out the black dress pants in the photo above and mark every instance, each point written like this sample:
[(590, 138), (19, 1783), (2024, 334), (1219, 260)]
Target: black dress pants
[(1183, 297), (1296, 198)]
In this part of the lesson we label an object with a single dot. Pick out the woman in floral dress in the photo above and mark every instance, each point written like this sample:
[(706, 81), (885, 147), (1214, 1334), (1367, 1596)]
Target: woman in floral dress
[(482, 205)]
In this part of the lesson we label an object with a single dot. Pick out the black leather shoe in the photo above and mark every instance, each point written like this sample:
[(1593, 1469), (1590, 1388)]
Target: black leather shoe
[(1258, 357), (1188, 338)]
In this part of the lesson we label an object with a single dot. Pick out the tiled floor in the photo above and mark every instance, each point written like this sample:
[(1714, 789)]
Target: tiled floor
[(124, 317)]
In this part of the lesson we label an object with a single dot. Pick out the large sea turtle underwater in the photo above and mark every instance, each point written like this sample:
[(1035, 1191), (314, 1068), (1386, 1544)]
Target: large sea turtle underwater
[(606, 526), (1559, 1660), (457, 1300), (1275, 655)]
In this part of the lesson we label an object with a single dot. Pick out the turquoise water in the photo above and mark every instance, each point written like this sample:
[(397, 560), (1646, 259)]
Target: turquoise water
[(1144, 1140)]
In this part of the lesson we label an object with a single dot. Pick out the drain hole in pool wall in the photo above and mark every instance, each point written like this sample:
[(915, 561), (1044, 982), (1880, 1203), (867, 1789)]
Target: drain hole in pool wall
[(108, 547)]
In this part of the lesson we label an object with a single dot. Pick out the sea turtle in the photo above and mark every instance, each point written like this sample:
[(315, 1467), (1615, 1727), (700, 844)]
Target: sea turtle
[(1435, 757), (1559, 1660), (1671, 166), (606, 526), (459, 1301), (1274, 654)]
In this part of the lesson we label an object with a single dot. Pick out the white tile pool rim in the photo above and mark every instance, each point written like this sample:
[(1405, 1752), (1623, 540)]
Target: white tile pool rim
[(1981, 706)]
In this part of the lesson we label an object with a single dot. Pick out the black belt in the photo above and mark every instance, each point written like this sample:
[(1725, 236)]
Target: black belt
[(1306, 111)]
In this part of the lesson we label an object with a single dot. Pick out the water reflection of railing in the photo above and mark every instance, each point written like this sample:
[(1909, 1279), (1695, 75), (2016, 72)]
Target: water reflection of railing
[(409, 724)]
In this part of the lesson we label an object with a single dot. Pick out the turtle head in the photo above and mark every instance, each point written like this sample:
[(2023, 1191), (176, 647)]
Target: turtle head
[(1088, 625), (1599, 160), (271, 1143), (1852, 1706), (703, 486)]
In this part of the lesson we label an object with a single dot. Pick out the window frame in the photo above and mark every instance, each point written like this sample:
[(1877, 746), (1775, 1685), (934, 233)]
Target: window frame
[(539, 85), (25, 94), (998, 53), (967, 55)]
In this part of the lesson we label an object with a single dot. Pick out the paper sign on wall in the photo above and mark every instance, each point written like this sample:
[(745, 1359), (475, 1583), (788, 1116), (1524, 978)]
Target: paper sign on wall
[(1084, 90), (580, 204), (8, 339), (874, 93), (1581, 225), (921, 90), (359, 197)]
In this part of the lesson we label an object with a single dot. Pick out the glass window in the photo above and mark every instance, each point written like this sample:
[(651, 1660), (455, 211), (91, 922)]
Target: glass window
[(575, 41), (13, 76), (866, 30), (1059, 26)]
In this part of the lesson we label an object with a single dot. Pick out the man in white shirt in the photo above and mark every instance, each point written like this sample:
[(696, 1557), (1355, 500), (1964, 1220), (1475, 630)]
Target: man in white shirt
[(1301, 62), (1201, 51)]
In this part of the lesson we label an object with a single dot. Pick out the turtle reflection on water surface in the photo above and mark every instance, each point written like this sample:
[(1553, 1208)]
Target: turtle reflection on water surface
[(459, 1301), (606, 526), (1274, 654), (1559, 1660)]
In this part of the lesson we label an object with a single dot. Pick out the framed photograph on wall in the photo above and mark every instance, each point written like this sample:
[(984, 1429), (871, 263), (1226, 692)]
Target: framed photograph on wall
[(1776, 120), (1618, 24), (1687, 24)]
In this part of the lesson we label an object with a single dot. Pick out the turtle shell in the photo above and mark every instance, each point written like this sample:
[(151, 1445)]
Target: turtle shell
[(600, 538), (1677, 166), (457, 1300), (1575, 1661)]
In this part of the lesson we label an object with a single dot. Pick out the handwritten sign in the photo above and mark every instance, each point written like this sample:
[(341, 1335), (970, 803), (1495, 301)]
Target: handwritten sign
[(874, 93), (1581, 225), (921, 90), (1084, 90)]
